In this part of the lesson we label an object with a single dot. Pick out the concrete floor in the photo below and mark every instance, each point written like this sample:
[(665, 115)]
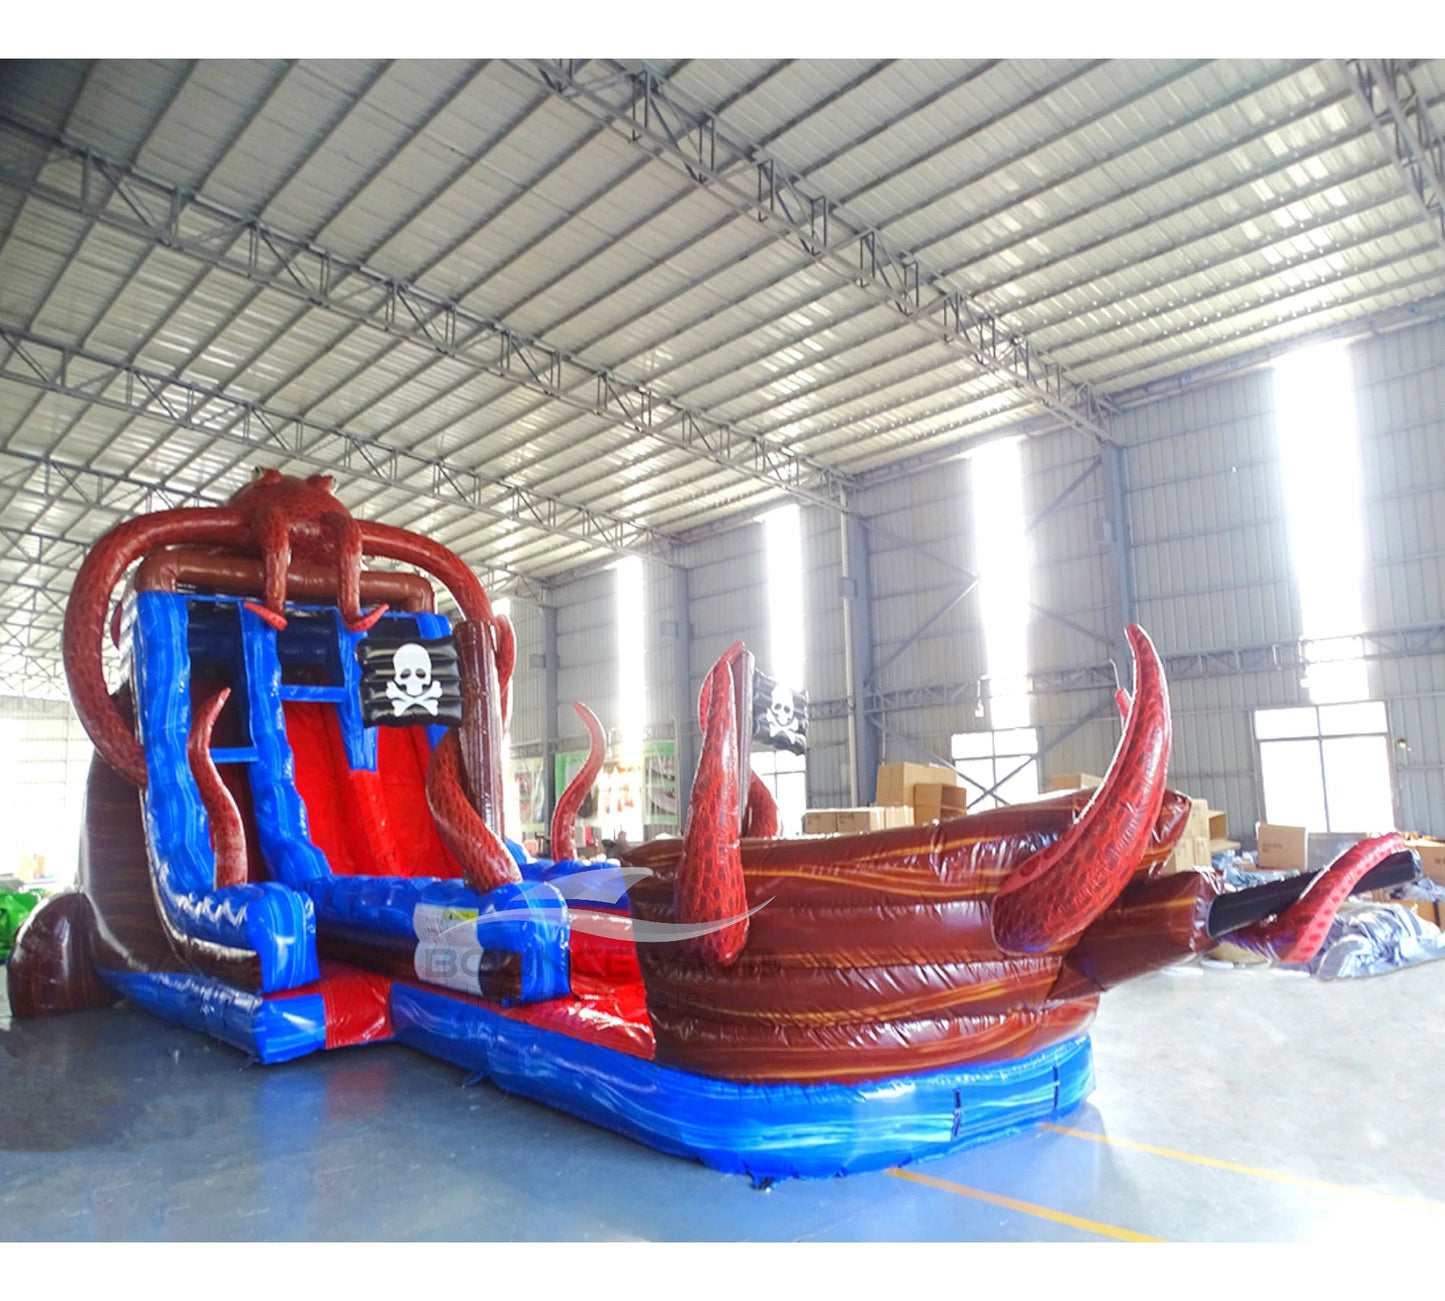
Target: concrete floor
[(1314, 1102)]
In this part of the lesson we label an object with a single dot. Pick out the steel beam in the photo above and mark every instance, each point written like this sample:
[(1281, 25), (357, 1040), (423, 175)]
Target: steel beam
[(760, 188), (125, 495), (1400, 117), (83, 180), (1182, 666), (213, 411)]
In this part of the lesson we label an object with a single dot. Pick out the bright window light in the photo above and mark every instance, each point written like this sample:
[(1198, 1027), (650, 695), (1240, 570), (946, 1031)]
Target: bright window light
[(785, 774), (1320, 465), (631, 660), (1002, 559), (783, 544), (511, 799), (1327, 767)]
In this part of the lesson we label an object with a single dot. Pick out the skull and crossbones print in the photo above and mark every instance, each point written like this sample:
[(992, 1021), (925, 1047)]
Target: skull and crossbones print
[(411, 686)]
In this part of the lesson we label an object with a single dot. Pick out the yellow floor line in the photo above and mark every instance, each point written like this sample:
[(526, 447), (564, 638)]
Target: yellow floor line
[(1324, 1185), (1026, 1208)]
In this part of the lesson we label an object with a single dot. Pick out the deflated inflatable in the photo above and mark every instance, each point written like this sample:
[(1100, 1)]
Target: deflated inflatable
[(293, 840)]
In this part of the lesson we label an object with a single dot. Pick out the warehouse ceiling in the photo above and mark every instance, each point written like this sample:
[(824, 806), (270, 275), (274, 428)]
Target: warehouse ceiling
[(551, 312)]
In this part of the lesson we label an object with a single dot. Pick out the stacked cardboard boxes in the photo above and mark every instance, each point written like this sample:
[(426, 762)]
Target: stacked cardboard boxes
[(848, 822), (930, 790), (1074, 781), (1192, 850), (1204, 836)]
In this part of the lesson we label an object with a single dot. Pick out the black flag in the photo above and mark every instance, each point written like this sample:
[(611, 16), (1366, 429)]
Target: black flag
[(780, 715), (409, 682)]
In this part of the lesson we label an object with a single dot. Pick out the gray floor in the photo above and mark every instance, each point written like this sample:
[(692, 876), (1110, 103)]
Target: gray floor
[(113, 1125)]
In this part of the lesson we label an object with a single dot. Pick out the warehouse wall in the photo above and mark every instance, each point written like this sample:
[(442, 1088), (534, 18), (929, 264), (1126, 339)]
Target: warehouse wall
[(1210, 557), (922, 549), (1402, 431), (1210, 568)]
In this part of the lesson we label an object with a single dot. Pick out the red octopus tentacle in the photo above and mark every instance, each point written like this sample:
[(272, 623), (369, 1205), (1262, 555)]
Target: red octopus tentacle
[(709, 885), (85, 617), (1125, 702), (399, 544), (1054, 895), (506, 658), (564, 817), (271, 532), (761, 818), (346, 538), (1297, 933), (728, 657), (486, 861), (228, 836)]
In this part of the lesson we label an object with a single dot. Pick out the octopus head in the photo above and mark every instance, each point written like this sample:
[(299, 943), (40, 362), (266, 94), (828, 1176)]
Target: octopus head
[(298, 499)]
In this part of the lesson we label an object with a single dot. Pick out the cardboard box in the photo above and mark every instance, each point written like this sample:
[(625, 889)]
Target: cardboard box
[(820, 822), (1218, 824), (936, 803), (897, 780), (1432, 858), (1221, 846), (1198, 823), (853, 821), (1074, 781), (1190, 854), (1282, 848), (840, 822)]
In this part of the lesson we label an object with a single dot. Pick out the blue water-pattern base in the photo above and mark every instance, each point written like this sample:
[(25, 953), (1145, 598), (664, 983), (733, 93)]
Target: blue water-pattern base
[(764, 1130), (768, 1131), (269, 1029)]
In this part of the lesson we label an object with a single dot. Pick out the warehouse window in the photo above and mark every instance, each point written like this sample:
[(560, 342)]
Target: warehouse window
[(783, 547), (1006, 759), (785, 774), (631, 660), (1326, 767), (1320, 469), (511, 799), (626, 775), (1000, 544), (44, 757)]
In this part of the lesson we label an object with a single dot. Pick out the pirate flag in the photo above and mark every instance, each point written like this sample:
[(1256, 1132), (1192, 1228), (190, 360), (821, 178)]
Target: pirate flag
[(780, 715), (409, 682)]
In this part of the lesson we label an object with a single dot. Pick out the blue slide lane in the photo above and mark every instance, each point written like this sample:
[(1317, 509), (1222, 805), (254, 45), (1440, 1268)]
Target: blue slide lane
[(274, 1030), (268, 919), (764, 1130)]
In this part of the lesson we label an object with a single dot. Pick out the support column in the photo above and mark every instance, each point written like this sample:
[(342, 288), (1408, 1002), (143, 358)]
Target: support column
[(857, 593), (1121, 570), (549, 707), (684, 705)]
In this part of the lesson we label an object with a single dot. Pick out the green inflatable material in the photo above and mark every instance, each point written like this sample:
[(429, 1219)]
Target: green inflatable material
[(14, 909)]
